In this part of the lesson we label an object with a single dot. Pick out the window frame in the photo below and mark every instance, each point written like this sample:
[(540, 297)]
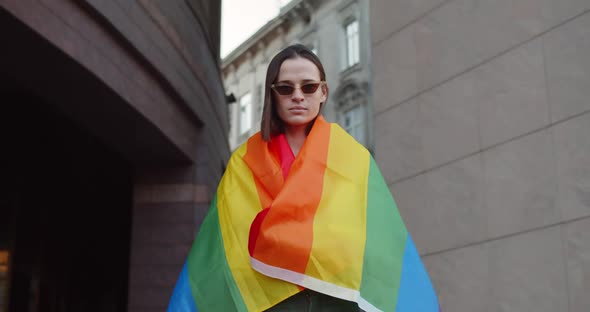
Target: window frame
[(248, 114), (356, 124), (352, 42)]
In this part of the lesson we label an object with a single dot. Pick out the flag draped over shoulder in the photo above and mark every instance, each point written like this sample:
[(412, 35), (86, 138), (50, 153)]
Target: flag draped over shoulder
[(324, 220)]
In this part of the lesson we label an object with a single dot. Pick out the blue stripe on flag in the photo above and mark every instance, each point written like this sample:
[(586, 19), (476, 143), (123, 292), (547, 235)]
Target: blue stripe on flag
[(416, 293), (182, 297)]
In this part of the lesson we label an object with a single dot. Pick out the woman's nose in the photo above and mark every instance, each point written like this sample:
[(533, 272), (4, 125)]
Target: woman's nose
[(297, 95)]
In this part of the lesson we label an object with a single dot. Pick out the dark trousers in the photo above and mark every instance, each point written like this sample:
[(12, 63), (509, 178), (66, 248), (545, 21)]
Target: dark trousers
[(311, 301)]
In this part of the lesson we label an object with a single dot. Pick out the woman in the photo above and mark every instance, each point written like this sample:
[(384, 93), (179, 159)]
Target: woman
[(302, 219)]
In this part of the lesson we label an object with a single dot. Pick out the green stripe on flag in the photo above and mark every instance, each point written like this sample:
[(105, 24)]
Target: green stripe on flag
[(211, 280), (382, 264)]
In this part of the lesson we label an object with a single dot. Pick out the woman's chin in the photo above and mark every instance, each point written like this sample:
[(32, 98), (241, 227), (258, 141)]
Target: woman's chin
[(298, 121)]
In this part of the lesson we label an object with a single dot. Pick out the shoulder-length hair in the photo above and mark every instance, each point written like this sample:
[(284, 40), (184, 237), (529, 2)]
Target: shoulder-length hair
[(271, 124)]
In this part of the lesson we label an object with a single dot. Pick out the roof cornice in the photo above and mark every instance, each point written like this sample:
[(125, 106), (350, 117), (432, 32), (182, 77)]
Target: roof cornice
[(282, 20)]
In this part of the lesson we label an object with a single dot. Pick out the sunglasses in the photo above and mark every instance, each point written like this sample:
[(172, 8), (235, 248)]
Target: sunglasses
[(288, 89)]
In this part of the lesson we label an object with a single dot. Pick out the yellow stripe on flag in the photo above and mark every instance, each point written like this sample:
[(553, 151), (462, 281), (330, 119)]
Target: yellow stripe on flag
[(239, 202), (339, 230)]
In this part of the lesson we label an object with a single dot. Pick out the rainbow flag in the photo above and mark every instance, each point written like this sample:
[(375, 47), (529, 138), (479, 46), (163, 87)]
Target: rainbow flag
[(326, 222)]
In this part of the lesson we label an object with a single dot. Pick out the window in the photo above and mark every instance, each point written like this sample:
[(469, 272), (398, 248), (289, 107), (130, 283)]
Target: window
[(352, 43), (352, 121), (245, 113), (352, 112), (259, 99)]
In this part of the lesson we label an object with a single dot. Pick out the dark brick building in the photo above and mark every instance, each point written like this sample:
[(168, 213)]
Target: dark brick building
[(113, 136)]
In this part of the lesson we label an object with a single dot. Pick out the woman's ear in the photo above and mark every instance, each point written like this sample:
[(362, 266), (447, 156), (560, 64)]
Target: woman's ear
[(325, 91)]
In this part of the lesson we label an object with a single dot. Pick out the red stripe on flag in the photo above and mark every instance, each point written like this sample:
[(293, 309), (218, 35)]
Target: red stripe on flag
[(255, 230)]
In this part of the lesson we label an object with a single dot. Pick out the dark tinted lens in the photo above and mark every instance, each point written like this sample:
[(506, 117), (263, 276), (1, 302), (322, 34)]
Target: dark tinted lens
[(310, 87), (284, 89)]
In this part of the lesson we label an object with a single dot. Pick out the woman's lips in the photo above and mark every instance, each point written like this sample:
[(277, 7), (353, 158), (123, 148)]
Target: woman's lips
[(297, 108)]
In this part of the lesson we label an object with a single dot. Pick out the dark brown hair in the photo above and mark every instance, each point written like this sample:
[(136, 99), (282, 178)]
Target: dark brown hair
[(271, 123)]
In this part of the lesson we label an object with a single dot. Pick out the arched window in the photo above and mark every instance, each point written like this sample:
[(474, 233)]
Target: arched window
[(352, 112)]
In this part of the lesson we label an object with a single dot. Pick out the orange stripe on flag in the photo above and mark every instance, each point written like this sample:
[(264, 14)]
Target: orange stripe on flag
[(286, 234), (266, 169)]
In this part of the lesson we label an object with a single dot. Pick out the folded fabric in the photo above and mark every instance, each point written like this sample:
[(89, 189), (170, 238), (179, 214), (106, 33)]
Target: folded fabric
[(324, 221)]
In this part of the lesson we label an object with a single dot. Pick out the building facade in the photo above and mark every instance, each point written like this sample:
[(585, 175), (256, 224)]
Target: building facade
[(114, 136), (338, 32), (482, 124)]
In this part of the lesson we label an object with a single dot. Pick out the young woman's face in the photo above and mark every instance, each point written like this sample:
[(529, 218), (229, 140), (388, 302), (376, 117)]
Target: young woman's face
[(298, 92)]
